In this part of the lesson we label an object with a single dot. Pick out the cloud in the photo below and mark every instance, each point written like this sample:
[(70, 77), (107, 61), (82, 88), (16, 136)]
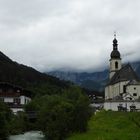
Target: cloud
[(68, 34)]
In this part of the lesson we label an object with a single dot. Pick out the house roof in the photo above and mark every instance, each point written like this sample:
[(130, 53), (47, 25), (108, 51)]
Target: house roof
[(126, 73), (15, 92)]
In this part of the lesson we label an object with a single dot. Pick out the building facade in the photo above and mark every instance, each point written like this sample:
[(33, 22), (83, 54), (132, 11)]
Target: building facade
[(123, 83), (15, 97)]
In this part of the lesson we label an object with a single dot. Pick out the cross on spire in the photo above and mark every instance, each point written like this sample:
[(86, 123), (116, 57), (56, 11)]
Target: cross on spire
[(115, 34)]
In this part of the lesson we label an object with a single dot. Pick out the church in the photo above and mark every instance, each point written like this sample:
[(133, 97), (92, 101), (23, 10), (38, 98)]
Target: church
[(124, 84)]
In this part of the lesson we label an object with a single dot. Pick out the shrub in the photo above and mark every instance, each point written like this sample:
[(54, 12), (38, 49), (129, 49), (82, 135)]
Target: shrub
[(60, 115)]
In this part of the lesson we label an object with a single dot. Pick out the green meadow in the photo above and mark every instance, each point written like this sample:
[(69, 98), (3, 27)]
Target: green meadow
[(109, 125)]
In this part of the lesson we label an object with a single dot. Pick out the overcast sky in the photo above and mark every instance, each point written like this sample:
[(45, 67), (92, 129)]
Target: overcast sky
[(69, 34)]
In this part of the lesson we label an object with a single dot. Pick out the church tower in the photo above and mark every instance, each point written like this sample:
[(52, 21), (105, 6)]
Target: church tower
[(115, 60)]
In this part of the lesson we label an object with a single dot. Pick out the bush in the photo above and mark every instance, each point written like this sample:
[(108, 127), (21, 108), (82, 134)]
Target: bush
[(18, 123), (60, 115), (56, 119), (5, 116)]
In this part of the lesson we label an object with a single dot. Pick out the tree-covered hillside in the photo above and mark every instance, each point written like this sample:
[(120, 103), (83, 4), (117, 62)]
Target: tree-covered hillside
[(27, 77)]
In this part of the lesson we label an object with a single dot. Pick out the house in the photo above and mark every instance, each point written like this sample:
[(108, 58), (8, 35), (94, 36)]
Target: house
[(15, 97), (123, 83)]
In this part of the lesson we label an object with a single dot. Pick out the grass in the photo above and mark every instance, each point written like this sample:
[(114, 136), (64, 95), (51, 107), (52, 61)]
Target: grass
[(108, 125)]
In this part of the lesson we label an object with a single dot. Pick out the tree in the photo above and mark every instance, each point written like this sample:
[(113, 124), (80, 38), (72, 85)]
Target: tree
[(60, 115), (81, 108), (56, 117), (5, 116), (18, 123)]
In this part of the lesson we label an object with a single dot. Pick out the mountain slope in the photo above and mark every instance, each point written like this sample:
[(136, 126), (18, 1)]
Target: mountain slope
[(28, 77), (93, 81)]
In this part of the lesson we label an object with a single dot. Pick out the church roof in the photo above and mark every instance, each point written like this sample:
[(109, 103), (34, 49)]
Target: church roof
[(133, 82), (126, 73)]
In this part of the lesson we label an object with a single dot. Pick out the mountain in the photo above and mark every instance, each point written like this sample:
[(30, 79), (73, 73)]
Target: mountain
[(27, 77), (92, 81)]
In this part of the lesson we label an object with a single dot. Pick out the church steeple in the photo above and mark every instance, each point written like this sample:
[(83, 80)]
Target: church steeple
[(115, 53), (115, 61), (115, 43)]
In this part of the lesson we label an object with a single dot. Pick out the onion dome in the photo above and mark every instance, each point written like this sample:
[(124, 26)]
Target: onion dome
[(115, 53), (115, 41)]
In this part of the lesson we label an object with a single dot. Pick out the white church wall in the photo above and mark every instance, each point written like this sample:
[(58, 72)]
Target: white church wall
[(134, 90), (122, 84), (108, 91), (112, 91), (113, 68), (114, 105)]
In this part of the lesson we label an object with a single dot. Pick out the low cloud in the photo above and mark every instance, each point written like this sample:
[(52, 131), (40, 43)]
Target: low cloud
[(69, 35)]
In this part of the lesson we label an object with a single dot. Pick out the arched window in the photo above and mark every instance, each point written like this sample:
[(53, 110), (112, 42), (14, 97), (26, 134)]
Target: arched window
[(124, 89), (116, 65)]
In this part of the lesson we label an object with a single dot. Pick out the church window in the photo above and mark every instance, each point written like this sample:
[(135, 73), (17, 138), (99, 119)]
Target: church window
[(116, 65), (134, 94), (124, 89), (134, 88)]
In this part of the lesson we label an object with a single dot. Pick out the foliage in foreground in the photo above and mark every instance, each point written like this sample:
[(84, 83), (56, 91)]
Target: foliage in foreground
[(60, 115), (5, 116), (57, 115), (112, 126), (10, 123)]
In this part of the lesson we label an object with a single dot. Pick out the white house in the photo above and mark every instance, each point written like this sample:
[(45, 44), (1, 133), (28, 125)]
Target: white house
[(15, 97), (123, 83)]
